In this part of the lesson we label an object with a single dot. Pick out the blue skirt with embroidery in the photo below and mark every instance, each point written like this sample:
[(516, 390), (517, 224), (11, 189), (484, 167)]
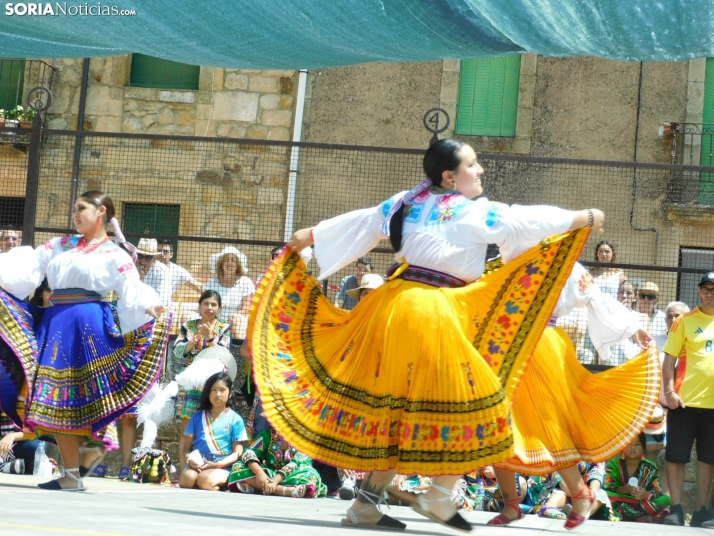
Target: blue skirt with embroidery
[(81, 373)]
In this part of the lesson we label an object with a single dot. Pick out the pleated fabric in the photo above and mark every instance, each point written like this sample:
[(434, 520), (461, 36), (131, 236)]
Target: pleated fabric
[(416, 378), (71, 370), (562, 413)]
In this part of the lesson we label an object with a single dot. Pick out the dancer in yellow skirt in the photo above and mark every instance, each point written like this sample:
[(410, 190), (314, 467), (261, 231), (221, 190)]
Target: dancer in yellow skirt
[(398, 384), (558, 415)]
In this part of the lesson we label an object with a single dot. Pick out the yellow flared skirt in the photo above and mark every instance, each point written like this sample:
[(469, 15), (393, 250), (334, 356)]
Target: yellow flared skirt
[(563, 413), (416, 378)]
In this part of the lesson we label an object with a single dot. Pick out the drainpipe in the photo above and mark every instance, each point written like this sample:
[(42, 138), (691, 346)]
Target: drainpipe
[(295, 155), (78, 139)]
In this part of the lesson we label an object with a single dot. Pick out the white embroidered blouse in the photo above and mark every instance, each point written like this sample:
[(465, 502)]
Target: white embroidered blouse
[(71, 262), (442, 231)]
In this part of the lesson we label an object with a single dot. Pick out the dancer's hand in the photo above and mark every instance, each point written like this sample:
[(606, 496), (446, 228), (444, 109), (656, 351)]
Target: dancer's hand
[(582, 219), (642, 338), (301, 239), (193, 465), (155, 311)]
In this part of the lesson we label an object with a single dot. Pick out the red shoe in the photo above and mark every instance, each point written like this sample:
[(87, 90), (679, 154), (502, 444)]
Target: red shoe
[(575, 520), (502, 519)]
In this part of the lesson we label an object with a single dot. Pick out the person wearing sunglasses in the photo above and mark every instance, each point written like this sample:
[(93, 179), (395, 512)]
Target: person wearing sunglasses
[(178, 275), (10, 240), (156, 275), (647, 300)]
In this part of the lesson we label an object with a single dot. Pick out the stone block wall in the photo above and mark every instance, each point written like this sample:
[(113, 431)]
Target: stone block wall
[(232, 103)]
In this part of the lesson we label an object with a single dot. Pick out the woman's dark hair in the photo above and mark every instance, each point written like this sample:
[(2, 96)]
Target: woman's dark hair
[(210, 382), (441, 156), (210, 294), (100, 199), (37, 296), (605, 243)]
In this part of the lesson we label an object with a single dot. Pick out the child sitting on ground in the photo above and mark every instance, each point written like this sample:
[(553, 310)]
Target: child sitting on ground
[(217, 433), (273, 467), (643, 502)]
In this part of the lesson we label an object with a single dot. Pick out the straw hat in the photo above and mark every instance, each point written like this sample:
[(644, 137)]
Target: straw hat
[(147, 246), (230, 249), (368, 281), (652, 287)]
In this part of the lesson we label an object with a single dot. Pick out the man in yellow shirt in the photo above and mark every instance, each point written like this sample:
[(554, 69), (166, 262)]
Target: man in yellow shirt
[(689, 351)]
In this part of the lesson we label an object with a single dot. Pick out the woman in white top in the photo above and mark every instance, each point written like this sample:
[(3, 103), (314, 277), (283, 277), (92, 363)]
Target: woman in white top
[(83, 368), (607, 279), (409, 380), (235, 288)]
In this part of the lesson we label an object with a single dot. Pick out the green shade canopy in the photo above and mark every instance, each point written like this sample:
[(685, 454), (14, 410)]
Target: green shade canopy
[(290, 34)]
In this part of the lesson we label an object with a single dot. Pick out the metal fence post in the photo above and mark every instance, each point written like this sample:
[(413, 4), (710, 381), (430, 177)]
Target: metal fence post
[(33, 180)]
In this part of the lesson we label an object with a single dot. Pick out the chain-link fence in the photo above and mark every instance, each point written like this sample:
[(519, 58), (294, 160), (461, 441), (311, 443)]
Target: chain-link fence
[(209, 213)]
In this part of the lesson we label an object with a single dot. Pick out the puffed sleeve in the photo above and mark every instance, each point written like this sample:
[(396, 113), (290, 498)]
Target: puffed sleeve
[(135, 297), (22, 268), (345, 238), (609, 321), (517, 228)]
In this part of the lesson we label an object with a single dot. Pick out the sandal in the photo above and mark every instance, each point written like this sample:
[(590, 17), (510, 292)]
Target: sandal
[(244, 488), (502, 519), (96, 467), (54, 485), (385, 522), (574, 519), (124, 473), (551, 512), (456, 522)]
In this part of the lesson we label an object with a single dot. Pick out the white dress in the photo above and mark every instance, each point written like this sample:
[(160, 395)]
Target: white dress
[(69, 262)]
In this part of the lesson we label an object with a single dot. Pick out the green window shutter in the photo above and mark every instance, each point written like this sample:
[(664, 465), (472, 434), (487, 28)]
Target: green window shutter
[(488, 97), (151, 220), (706, 180), (147, 71), (12, 79)]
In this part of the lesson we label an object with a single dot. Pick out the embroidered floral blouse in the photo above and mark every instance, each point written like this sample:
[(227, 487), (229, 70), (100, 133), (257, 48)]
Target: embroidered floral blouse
[(71, 262), (266, 449), (221, 331), (443, 230)]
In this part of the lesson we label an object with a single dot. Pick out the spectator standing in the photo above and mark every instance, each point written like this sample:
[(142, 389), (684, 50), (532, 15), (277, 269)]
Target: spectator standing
[(647, 300), (10, 240), (690, 351), (178, 275), (364, 265), (235, 288), (607, 279), (154, 274)]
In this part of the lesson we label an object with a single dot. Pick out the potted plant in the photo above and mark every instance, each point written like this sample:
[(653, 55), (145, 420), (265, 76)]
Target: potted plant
[(11, 116), (25, 116), (2, 117)]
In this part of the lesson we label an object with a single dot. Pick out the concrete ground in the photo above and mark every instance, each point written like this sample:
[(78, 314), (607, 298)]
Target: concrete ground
[(117, 508)]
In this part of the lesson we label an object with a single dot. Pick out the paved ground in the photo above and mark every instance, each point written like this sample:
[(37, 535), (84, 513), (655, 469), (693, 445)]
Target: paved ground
[(116, 508)]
